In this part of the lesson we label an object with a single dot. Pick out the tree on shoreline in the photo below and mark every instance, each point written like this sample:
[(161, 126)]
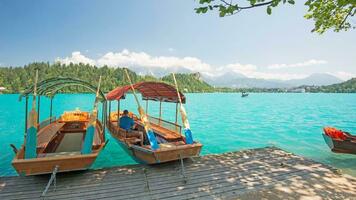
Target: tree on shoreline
[(327, 14)]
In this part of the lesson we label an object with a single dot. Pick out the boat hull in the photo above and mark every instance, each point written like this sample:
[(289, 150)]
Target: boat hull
[(340, 146), (67, 155), (147, 156), (163, 154), (46, 165)]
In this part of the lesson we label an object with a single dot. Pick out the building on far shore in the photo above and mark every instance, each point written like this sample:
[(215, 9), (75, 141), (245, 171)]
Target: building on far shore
[(2, 89), (297, 90)]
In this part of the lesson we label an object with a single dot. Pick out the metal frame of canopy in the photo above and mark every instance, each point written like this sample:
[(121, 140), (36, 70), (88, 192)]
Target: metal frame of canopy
[(50, 87), (154, 91)]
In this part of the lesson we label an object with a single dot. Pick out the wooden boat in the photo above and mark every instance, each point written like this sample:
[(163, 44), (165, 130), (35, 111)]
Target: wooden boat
[(244, 94), (71, 142), (339, 141), (172, 145)]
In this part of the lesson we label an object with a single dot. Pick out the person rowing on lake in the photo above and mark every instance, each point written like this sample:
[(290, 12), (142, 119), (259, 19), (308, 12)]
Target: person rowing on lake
[(127, 123)]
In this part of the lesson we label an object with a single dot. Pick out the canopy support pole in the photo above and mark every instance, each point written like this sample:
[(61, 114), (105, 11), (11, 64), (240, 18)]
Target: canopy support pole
[(103, 113), (176, 122), (147, 106), (50, 111), (38, 110), (109, 110), (118, 113), (160, 112), (176, 113), (104, 118), (26, 113)]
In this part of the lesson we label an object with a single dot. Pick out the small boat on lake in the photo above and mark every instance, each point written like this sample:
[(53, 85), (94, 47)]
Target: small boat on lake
[(71, 142), (339, 141), (163, 140), (244, 94)]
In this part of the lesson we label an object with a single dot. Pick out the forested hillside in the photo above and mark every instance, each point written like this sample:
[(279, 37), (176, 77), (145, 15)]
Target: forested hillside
[(344, 87), (16, 79)]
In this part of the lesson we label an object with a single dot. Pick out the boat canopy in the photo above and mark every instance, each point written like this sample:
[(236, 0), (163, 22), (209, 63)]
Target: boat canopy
[(50, 87), (156, 91)]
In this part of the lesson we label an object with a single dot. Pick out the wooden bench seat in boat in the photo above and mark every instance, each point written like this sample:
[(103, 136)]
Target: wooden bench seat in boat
[(46, 134), (167, 134)]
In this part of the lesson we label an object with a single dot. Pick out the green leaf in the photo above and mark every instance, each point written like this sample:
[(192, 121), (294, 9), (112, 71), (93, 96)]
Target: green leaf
[(253, 2), (291, 2), (269, 10), (222, 13)]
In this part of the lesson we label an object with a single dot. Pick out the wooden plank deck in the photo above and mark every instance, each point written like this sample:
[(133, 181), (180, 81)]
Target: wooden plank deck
[(265, 173)]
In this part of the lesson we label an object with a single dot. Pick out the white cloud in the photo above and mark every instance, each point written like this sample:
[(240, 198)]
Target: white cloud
[(239, 68), (128, 58), (301, 64), (144, 63), (76, 58)]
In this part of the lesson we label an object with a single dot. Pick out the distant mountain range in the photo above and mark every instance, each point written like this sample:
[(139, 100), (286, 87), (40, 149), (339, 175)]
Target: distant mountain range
[(236, 80)]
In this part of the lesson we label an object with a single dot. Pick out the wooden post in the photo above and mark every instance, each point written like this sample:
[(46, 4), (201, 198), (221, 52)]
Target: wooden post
[(26, 113)]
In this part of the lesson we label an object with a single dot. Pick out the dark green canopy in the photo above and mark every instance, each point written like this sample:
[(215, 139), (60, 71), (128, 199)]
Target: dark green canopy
[(50, 87)]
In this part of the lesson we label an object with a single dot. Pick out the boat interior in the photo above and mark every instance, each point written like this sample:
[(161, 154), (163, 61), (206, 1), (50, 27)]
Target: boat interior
[(168, 134), (65, 136)]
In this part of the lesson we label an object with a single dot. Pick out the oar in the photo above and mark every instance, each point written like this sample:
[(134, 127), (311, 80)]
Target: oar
[(144, 119), (183, 113), (89, 135), (31, 135), (97, 95)]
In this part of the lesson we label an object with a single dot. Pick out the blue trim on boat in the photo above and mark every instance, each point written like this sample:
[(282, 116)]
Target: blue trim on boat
[(188, 136), (31, 143), (88, 140), (152, 138)]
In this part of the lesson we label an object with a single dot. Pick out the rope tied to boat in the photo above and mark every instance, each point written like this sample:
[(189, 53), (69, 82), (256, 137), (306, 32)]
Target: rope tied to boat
[(52, 179)]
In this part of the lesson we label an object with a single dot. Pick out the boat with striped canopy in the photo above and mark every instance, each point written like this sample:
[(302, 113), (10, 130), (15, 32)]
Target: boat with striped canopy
[(163, 140), (71, 142)]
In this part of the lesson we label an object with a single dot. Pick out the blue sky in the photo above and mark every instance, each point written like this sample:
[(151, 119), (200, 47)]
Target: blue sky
[(168, 36)]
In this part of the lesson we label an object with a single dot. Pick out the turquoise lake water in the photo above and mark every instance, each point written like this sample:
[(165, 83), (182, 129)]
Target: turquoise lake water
[(223, 122)]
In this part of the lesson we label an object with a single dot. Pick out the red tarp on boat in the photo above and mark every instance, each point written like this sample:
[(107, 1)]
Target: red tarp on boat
[(156, 91), (335, 133)]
